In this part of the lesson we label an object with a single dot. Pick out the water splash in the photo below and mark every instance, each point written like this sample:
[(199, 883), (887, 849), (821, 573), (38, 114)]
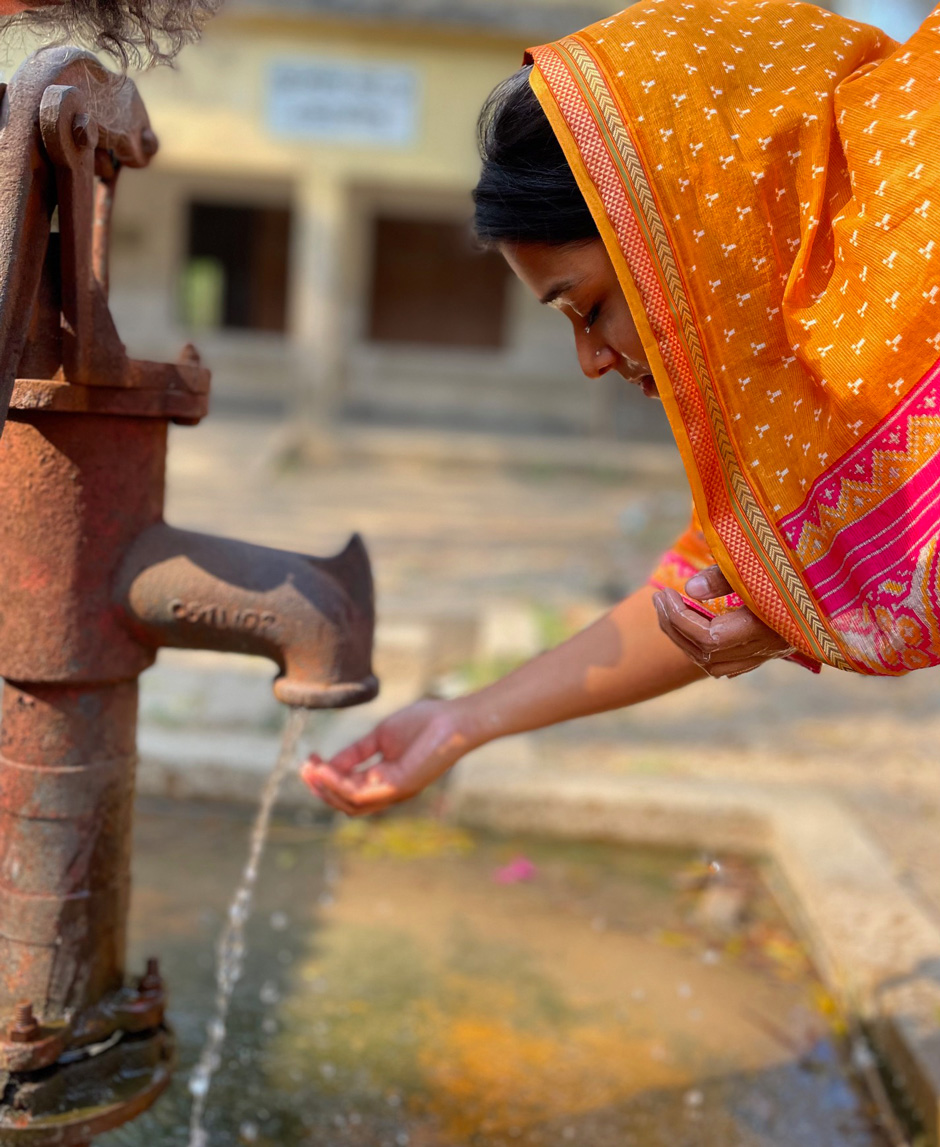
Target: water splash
[(230, 952)]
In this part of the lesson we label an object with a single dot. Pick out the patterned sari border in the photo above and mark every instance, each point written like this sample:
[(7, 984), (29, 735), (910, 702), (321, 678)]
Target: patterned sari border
[(846, 531), (809, 510)]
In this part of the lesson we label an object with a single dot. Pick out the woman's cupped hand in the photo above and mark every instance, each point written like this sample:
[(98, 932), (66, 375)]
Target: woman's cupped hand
[(395, 761), (724, 646)]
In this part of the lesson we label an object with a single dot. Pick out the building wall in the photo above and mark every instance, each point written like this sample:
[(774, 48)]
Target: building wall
[(216, 145)]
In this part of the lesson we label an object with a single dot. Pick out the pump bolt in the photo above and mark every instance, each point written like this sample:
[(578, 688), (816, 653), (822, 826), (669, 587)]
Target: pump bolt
[(189, 356), (25, 1027), (151, 982)]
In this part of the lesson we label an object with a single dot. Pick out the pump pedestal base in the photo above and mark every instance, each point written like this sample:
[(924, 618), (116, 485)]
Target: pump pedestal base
[(68, 1105)]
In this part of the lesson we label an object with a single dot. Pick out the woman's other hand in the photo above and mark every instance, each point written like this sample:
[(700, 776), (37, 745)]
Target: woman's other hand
[(723, 646), (396, 761)]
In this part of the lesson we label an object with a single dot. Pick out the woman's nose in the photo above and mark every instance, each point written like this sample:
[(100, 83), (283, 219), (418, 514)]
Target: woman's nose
[(595, 357)]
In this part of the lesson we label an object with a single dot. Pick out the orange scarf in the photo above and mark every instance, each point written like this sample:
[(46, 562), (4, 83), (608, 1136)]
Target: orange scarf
[(765, 178)]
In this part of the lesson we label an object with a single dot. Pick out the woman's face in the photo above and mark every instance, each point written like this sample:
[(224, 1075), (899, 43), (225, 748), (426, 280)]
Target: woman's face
[(579, 280)]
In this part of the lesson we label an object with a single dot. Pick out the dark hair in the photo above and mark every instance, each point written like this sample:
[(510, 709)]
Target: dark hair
[(134, 32), (527, 192)]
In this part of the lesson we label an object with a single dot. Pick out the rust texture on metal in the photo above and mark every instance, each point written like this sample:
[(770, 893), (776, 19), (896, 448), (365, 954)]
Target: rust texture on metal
[(63, 116), (67, 758), (94, 583), (70, 127), (94, 483)]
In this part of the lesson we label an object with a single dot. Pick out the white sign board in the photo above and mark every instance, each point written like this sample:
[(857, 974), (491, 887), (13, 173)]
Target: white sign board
[(343, 103)]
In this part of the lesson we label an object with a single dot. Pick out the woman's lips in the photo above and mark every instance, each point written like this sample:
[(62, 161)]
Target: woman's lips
[(634, 372)]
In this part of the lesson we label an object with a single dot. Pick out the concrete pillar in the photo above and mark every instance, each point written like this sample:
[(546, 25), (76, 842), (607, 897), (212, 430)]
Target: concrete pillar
[(319, 310)]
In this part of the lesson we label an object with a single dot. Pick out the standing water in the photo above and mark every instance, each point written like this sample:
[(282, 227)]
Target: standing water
[(230, 956), (407, 984)]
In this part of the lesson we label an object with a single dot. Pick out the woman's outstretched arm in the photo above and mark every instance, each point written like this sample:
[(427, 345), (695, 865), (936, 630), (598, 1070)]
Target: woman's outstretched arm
[(620, 660)]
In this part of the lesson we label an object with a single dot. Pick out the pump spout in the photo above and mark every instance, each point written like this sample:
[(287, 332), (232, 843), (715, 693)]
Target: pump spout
[(314, 617)]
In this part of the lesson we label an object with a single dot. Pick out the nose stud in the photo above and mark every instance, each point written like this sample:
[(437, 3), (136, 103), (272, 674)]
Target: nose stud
[(597, 354)]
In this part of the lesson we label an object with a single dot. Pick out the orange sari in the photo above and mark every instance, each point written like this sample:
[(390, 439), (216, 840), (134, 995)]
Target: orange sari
[(765, 178)]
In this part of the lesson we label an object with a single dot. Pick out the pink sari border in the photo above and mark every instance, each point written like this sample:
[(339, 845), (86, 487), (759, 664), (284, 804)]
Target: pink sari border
[(856, 508)]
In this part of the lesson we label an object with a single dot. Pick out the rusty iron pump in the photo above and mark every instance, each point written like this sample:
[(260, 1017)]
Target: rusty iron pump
[(92, 583)]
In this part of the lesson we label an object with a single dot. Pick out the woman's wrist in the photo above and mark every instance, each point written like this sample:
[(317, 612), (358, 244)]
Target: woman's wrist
[(473, 720)]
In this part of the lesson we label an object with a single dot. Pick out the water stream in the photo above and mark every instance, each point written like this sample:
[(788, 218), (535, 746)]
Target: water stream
[(230, 953)]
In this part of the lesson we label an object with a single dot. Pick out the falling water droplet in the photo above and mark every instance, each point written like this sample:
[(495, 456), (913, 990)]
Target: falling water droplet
[(270, 993), (199, 1083)]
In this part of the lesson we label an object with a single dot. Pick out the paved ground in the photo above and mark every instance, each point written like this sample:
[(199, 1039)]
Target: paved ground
[(531, 550)]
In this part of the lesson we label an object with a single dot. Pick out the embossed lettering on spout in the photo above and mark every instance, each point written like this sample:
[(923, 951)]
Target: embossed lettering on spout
[(199, 613)]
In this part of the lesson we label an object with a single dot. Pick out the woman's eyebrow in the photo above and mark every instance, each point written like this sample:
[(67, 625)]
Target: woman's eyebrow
[(559, 289)]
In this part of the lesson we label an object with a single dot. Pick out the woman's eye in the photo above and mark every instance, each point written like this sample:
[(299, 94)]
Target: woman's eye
[(591, 317)]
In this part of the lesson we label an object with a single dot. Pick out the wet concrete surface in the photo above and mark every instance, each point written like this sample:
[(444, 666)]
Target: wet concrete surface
[(409, 984)]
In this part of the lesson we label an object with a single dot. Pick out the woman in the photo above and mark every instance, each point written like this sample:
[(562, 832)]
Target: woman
[(754, 239)]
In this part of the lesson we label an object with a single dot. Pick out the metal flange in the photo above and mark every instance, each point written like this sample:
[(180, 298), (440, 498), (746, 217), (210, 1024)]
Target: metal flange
[(103, 1088)]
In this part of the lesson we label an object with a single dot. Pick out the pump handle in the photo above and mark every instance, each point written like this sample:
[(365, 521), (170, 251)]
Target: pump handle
[(67, 127)]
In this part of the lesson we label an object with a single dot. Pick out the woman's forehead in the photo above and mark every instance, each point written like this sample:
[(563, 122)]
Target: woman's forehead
[(556, 271)]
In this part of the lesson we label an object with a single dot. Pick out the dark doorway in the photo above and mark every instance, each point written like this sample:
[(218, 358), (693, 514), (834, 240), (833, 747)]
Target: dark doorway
[(237, 268), (431, 285)]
